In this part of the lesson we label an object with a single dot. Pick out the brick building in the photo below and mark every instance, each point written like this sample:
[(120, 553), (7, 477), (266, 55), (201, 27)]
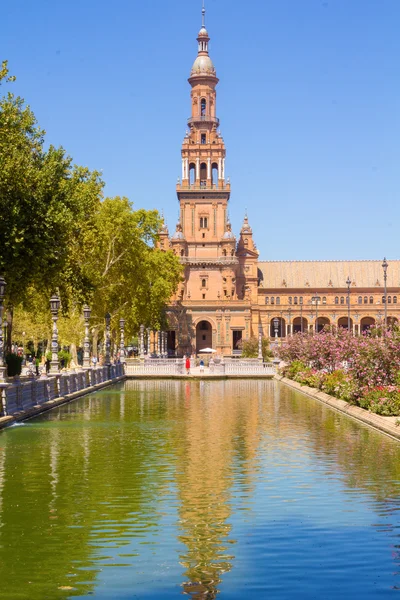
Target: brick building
[(228, 293)]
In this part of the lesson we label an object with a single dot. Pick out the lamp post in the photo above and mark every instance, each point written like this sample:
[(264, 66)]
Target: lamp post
[(301, 317), (86, 343), (122, 342), (289, 322), (107, 318), (316, 297), (141, 350), (385, 266), (260, 355), (54, 308), (276, 324), (148, 342), (348, 283), (3, 367)]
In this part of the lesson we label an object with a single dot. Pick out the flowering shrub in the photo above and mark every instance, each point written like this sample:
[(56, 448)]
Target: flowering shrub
[(341, 385), (352, 368), (382, 400)]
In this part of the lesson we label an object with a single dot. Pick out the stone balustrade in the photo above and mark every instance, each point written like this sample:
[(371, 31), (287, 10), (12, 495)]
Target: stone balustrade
[(24, 394)]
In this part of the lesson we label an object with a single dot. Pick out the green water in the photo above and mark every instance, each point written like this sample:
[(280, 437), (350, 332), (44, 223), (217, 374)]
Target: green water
[(242, 489)]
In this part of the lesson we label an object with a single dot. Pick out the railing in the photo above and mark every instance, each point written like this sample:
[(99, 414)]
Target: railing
[(220, 260), (21, 395), (203, 188), (155, 366), (239, 367), (203, 119)]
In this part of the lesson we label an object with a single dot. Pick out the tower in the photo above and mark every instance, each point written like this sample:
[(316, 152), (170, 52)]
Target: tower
[(203, 193)]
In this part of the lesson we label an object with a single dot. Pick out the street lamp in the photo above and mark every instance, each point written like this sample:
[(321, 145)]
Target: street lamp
[(86, 343), (107, 318), (276, 324), (122, 344), (316, 299), (141, 350), (55, 304), (260, 355), (3, 367), (348, 283), (289, 322), (301, 317), (385, 266), (148, 342)]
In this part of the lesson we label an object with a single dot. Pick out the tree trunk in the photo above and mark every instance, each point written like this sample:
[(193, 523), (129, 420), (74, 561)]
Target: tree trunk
[(9, 320)]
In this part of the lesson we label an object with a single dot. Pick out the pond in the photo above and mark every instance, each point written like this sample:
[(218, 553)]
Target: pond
[(237, 489)]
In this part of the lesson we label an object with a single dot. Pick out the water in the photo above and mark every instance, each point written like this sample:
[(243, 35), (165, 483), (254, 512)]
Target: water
[(242, 489)]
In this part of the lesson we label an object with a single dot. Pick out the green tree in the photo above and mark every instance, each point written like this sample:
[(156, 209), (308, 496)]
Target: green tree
[(45, 204), (250, 348)]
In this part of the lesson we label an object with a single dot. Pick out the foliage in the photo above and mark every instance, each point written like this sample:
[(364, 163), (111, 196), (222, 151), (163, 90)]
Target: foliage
[(14, 364), (382, 400), (348, 367), (250, 348), (64, 356)]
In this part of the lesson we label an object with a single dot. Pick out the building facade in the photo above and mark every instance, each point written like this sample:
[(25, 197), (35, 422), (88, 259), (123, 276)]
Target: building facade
[(228, 294)]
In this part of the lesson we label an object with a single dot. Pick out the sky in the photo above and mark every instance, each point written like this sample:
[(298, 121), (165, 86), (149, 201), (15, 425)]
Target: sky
[(308, 102)]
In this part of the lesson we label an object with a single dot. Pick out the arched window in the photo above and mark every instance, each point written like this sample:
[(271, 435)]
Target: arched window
[(394, 299), (341, 299), (347, 300), (272, 300), (203, 106), (336, 299), (365, 299), (383, 299), (324, 300), (203, 283), (233, 252), (203, 222), (192, 173), (266, 300), (290, 299), (389, 298), (182, 252), (371, 299), (301, 299), (214, 174), (295, 300), (203, 175), (359, 299), (278, 300), (224, 252)]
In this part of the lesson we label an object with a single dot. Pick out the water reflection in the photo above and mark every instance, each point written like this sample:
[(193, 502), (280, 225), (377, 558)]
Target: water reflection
[(197, 486)]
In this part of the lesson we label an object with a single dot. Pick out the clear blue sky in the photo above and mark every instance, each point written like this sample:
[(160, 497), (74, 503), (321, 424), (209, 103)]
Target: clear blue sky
[(308, 101)]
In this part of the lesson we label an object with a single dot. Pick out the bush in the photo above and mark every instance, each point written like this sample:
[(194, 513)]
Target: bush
[(382, 400), (341, 385), (65, 358), (14, 364)]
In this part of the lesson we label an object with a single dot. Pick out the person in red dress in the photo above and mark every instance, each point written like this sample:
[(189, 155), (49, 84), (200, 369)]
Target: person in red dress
[(187, 365)]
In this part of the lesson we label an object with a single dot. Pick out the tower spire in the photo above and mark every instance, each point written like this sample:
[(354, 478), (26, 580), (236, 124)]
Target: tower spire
[(203, 16)]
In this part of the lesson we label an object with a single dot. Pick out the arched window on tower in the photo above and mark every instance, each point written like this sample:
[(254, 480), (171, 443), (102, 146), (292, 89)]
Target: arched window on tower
[(203, 107), (192, 174), (371, 299), (203, 175), (203, 283), (336, 299), (214, 174), (359, 299)]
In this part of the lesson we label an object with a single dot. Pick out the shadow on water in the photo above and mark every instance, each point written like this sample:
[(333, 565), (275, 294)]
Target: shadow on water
[(154, 489)]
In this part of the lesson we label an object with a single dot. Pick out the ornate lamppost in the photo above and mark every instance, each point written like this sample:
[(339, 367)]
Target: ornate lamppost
[(86, 343), (107, 318), (289, 322), (316, 297), (348, 283), (141, 338), (301, 318), (159, 344), (122, 342), (260, 354), (3, 367), (385, 266), (276, 324), (148, 330), (55, 304)]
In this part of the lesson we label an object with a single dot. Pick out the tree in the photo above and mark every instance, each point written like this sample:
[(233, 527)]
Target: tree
[(250, 348), (45, 203), (129, 275)]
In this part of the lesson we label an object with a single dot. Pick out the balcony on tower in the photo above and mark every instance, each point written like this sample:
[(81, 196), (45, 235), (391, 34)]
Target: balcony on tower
[(204, 174), (201, 119)]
